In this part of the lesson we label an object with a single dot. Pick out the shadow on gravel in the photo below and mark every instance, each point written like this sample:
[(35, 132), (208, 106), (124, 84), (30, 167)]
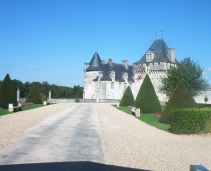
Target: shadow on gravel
[(65, 166)]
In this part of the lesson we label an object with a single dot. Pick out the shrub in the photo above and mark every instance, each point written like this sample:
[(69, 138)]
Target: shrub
[(34, 95), (180, 98), (7, 93), (203, 105), (190, 120), (77, 100), (147, 99), (127, 98)]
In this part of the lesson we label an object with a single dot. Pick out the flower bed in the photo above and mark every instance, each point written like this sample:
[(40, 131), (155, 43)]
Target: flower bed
[(26, 103), (158, 114)]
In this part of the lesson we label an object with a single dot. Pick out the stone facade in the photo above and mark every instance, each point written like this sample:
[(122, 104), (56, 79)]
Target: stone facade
[(103, 81)]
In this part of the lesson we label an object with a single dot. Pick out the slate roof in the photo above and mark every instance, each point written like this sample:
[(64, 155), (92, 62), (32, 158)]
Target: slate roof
[(95, 63), (119, 69), (160, 49)]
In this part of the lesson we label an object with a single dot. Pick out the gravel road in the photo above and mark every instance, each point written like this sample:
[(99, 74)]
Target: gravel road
[(127, 141), (131, 143)]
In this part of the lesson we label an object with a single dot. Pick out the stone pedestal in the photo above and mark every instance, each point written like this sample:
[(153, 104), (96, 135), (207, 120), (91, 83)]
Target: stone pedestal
[(10, 107)]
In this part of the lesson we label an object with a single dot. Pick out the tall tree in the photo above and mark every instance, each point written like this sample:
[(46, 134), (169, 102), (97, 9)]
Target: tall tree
[(147, 100), (189, 73), (7, 93)]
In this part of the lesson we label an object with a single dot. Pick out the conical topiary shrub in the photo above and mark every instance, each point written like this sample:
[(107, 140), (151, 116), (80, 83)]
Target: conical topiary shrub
[(7, 93), (34, 95), (147, 99), (127, 98), (180, 98)]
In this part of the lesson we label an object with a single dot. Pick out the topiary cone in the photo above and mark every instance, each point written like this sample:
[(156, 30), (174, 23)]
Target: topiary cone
[(7, 93), (147, 99), (180, 98), (127, 98)]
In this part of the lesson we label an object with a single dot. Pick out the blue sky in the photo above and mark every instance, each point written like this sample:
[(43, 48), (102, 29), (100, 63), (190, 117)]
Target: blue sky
[(48, 40)]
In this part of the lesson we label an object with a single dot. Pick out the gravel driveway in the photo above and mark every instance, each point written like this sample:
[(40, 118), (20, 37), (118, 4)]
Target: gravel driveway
[(126, 141), (131, 143)]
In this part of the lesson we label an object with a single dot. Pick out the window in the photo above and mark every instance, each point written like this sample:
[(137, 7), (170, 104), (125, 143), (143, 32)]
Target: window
[(120, 85), (112, 85), (125, 85), (149, 57)]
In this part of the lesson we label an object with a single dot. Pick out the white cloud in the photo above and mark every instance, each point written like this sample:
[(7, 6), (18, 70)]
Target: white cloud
[(33, 66), (203, 73), (209, 69)]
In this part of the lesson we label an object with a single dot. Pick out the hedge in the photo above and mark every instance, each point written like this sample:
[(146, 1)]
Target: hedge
[(7, 93), (147, 100), (191, 120), (180, 98), (127, 98)]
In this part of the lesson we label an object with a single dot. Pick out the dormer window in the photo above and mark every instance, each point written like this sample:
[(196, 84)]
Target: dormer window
[(149, 56)]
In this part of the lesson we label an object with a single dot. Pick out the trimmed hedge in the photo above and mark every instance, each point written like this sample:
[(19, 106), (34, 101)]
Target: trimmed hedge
[(7, 93), (34, 95), (180, 98), (203, 105), (147, 100), (127, 98), (191, 120)]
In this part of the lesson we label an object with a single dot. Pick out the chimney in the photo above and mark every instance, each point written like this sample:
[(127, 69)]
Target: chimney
[(110, 61), (125, 63)]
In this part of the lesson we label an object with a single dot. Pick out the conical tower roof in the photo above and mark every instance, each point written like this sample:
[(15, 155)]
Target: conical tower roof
[(161, 52), (95, 63)]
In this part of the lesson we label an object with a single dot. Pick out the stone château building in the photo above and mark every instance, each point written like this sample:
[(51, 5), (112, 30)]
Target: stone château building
[(108, 80)]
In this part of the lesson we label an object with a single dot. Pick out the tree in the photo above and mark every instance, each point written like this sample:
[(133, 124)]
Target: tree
[(7, 93), (188, 72), (180, 98), (127, 98), (34, 94), (147, 100), (206, 99)]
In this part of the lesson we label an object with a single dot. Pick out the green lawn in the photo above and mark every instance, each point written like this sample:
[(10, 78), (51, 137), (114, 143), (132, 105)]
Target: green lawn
[(149, 119), (33, 106)]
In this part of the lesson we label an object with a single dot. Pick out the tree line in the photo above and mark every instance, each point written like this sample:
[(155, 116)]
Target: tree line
[(45, 87)]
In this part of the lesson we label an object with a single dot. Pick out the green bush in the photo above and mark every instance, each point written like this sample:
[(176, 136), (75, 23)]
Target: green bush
[(34, 94), (180, 98), (203, 105), (127, 98), (7, 93), (147, 99), (190, 120), (77, 100)]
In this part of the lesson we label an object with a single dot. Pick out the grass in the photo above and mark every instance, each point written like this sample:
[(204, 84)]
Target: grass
[(148, 118), (29, 107)]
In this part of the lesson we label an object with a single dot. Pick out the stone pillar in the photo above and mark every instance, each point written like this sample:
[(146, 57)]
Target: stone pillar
[(138, 112), (10, 107), (18, 95), (49, 96)]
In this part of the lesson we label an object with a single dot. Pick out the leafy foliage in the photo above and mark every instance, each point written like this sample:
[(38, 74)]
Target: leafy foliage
[(180, 98), (206, 99), (45, 87), (147, 99), (34, 94), (127, 98), (7, 93), (188, 72), (191, 121)]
